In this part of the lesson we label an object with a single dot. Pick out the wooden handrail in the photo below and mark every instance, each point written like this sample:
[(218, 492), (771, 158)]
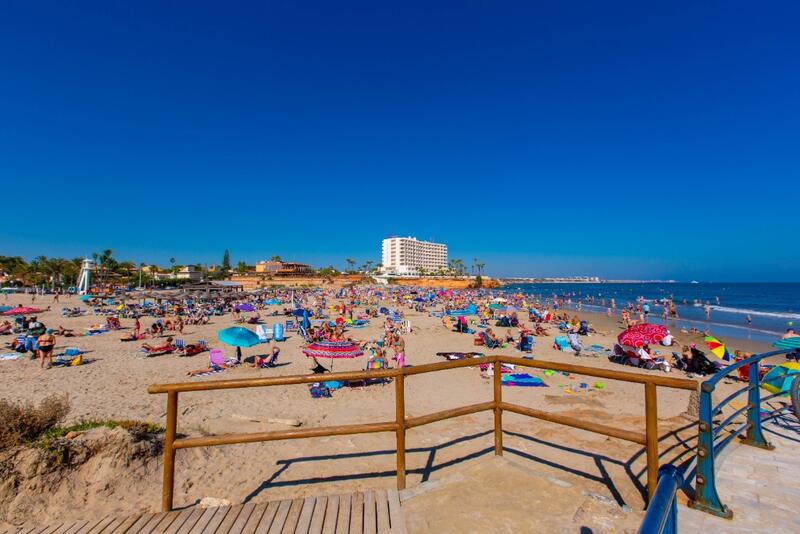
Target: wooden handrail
[(402, 423), (627, 435)]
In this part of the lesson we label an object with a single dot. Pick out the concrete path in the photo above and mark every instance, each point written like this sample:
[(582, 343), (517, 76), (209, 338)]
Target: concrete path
[(761, 487)]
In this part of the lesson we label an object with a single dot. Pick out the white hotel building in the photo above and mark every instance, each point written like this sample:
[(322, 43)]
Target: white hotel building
[(405, 256)]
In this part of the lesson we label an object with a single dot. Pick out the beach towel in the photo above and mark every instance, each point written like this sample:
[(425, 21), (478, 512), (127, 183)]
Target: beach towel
[(10, 356), (459, 355), (319, 391), (560, 343), (522, 380)]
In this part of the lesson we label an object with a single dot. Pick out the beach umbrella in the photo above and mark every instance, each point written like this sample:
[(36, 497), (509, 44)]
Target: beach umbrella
[(238, 337), (4, 308), (84, 298), (779, 378), (245, 307), (333, 350), (301, 312), (717, 348), (788, 343), (22, 310), (306, 323), (642, 334)]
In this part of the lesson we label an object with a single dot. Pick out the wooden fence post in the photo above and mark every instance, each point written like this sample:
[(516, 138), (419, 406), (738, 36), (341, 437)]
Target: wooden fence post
[(651, 432), (498, 412), (169, 452), (400, 419)]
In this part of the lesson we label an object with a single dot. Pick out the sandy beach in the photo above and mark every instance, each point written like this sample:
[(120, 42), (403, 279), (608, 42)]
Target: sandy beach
[(113, 385)]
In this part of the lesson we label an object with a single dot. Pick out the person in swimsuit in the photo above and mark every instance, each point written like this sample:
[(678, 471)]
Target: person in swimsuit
[(399, 347), (47, 343)]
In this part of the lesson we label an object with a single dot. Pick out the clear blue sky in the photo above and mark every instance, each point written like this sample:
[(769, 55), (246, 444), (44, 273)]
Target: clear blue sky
[(623, 139)]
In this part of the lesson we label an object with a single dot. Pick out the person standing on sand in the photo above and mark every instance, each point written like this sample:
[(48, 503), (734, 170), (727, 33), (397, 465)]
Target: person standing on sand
[(399, 348), (46, 343)]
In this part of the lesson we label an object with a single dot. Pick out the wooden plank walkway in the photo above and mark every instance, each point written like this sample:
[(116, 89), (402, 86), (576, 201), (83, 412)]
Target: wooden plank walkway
[(369, 512)]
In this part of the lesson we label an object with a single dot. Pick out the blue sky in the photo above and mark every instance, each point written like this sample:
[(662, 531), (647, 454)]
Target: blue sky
[(622, 139)]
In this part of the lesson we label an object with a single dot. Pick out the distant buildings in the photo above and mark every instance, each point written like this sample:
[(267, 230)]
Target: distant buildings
[(407, 256), (189, 272), (283, 268)]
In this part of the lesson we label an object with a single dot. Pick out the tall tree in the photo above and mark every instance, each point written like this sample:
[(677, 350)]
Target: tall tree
[(226, 261), (350, 263)]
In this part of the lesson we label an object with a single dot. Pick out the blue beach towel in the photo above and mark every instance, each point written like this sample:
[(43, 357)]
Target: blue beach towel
[(523, 380)]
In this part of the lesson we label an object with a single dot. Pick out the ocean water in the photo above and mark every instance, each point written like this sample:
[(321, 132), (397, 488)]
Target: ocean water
[(773, 307)]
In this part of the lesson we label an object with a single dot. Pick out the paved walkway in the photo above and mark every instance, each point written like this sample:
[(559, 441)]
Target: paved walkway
[(761, 487)]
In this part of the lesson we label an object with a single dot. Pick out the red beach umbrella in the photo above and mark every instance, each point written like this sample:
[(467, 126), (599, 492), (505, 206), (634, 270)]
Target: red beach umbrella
[(22, 310), (333, 349), (642, 334)]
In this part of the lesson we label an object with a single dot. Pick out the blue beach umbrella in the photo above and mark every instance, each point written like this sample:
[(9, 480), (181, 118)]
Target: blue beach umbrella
[(84, 298), (4, 308), (306, 323), (238, 337)]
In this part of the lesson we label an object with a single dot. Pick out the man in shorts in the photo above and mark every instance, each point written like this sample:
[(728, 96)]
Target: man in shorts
[(46, 343)]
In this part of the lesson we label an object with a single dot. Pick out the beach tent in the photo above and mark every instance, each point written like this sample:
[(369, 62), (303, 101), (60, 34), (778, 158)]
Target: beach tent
[(779, 378)]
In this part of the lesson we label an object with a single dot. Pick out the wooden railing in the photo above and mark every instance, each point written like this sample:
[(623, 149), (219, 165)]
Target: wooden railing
[(401, 423)]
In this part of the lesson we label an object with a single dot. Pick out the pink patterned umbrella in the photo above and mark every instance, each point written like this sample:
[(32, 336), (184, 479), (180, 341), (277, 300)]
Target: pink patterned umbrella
[(333, 349), (23, 310), (642, 334)]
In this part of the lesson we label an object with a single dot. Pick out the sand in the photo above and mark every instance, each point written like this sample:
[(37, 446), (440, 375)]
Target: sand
[(114, 386)]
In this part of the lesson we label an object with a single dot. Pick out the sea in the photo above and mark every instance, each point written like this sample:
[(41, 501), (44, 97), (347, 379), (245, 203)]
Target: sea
[(772, 307)]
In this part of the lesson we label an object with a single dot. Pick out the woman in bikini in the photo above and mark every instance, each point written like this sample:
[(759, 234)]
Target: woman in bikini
[(47, 343)]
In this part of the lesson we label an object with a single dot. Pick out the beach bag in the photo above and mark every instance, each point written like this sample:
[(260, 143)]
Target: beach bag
[(317, 391)]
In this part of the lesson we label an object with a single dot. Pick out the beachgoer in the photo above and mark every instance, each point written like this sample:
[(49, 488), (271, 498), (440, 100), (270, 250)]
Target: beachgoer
[(263, 361), (399, 348), (47, 343)]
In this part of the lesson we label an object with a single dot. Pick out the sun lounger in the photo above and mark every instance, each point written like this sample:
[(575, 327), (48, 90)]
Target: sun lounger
[(488, 343)]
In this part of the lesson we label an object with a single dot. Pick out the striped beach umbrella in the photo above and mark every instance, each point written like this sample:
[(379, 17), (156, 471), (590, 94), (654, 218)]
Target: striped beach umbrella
[(333, 350), (717, 348), (779, 378), (788, 343)]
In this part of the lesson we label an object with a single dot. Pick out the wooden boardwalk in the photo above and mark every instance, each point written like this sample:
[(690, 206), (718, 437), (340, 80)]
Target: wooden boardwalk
[(367, 512)]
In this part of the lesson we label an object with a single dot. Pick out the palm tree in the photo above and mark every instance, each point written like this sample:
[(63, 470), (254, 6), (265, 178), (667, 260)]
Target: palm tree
[(368, 264), (350, 263), (172, 261), (275, 258)]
